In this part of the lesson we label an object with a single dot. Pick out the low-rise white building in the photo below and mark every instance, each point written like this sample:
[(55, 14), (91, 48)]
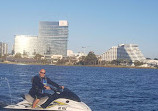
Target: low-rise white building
[(151, 62), (123, 51), (70, 53), (55, 58), (110, 55)]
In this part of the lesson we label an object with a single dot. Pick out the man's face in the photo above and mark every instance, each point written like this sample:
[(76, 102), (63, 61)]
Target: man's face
[(42, 73)]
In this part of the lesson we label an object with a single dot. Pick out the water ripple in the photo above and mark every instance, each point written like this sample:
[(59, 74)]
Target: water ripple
[(103, 89)]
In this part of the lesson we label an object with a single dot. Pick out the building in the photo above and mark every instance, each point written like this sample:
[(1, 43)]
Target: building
[(152, 63), (130, 52), (53, 38), (123, 52), (110, 55), (3, 49), (55, 58), (26, 45), (70, 53)]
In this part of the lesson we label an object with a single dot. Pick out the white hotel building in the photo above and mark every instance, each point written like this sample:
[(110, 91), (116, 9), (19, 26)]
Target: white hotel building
[(123, 51), (26, 44)]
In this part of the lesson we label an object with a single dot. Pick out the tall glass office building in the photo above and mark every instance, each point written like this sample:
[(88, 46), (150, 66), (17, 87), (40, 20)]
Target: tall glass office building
[(53, 38)]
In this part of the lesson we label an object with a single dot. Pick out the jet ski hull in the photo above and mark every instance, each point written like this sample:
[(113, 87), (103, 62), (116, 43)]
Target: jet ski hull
[(57, 105), (67, 101)]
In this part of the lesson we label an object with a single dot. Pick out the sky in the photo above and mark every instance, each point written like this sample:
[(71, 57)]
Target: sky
[(96, 25)]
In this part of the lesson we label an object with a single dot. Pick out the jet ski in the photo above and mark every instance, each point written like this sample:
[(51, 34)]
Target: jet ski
[(66, 101)]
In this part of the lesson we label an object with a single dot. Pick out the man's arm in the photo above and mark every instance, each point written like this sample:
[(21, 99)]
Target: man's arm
[(52, 83)]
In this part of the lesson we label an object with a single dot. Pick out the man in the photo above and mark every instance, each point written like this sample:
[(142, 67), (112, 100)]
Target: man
[(39, 85)]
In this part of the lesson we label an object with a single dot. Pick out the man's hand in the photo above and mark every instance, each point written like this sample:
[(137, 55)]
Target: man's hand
[(62, 87), (47, 87)]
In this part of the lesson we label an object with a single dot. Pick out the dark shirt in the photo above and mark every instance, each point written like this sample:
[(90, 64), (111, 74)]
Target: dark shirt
[(38, 86)]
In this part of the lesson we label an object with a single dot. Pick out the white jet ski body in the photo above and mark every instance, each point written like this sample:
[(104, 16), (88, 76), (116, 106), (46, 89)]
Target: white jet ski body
[(60, 104)]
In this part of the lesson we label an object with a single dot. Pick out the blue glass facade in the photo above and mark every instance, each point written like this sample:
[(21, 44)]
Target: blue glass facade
[(53, 38)]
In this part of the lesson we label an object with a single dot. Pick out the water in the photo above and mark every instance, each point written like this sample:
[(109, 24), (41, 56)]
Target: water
[(102, 89)]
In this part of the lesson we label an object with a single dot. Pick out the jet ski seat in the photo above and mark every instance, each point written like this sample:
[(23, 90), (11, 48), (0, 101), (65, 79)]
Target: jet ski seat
[(30, 99)]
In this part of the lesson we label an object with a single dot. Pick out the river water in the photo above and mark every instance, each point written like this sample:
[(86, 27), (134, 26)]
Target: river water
[(102, 89)]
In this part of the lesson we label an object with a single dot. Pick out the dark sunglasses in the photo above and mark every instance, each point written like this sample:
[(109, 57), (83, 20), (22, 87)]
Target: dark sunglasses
[(42, 72)]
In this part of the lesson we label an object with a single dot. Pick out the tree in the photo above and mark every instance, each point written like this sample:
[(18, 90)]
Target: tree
[(25, 55), (115, 62), (123, 62), (81, 60), (138, 63), (4, 57), (18, 55), (38, 57), (43, 61), (155, 58), (90, 59), (62, 61)]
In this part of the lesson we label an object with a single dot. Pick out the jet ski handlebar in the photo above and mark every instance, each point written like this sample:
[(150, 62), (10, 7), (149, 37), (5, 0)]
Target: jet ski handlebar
[(57, 90)]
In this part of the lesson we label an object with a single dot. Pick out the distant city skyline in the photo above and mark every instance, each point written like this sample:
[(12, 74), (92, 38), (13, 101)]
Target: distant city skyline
[(94, 25)]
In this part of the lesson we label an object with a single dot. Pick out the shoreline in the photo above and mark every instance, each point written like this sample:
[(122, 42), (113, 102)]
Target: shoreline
[(110, 66), (119, 66)]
